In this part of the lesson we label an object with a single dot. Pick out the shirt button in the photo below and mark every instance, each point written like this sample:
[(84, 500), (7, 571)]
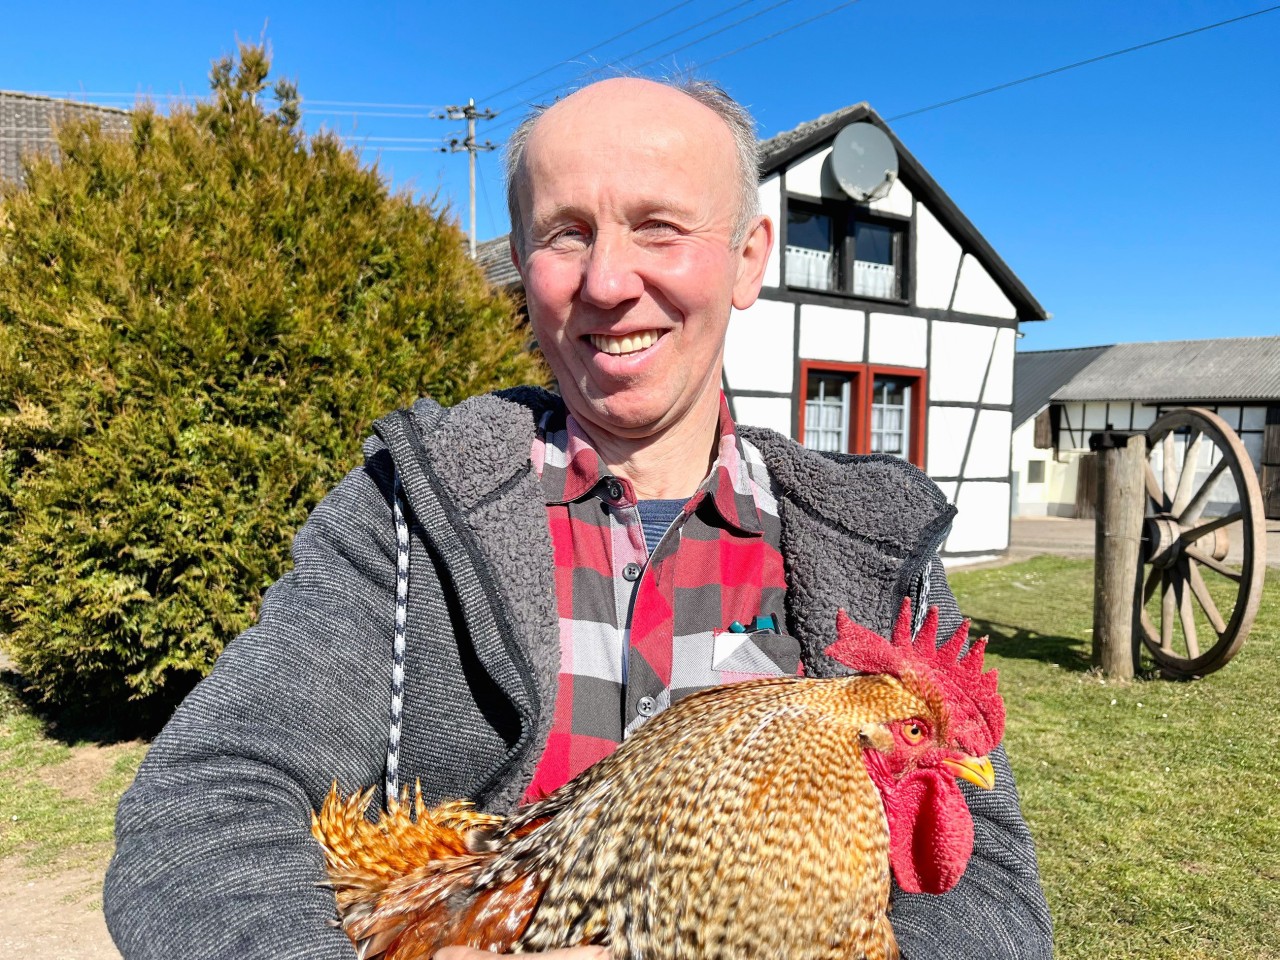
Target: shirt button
[(645, 706), (631, 572), (613, 488)]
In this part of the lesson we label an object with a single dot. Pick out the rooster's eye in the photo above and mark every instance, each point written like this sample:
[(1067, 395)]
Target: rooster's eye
[(913, 733)]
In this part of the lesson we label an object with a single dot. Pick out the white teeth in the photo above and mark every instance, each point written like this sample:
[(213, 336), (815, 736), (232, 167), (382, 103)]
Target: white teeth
[(616, 346)]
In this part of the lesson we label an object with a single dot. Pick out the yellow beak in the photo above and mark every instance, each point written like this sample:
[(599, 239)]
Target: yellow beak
[(977, 770)]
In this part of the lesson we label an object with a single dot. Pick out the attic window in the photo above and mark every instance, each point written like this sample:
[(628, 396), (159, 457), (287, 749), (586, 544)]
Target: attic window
[(840, 248)]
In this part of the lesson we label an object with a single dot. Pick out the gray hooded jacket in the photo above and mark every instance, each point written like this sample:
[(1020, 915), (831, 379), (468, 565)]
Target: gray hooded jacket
[(213, 853)]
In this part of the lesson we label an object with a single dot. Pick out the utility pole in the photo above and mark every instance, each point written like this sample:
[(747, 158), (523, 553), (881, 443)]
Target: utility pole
[(471, 115)]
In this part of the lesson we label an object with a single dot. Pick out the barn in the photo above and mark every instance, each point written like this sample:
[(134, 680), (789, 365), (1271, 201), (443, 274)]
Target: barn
[(886, 324), (1064, 396)]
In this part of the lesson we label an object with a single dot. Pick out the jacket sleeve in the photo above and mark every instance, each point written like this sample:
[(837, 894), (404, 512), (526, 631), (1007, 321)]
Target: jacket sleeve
[(997, 911), (214, 856)]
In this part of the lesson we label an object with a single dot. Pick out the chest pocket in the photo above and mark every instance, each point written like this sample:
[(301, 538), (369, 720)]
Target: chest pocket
[(754, 654)]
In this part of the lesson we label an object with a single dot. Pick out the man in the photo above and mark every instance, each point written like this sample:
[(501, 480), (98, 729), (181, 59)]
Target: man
[(525, 581)]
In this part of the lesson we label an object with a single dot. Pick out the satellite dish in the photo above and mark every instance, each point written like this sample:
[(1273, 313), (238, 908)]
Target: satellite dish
[(864, 162)]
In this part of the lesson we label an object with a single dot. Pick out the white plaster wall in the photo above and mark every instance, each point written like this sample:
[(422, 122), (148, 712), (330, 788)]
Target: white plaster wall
[(948, 488), (771, 412), (805, 177), (1000, 379), (1254, 418), (948, 435), (977, 293), (771, 206), (1056, 495), (831, 333), (1144, 416), (982, 521), (989, 451), (1029, 499), (898, 340), (958, 359), (759, 348), (937, 259), (897, 201)]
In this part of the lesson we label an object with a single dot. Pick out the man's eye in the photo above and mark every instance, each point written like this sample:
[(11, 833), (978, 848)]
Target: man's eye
[(658, 227)]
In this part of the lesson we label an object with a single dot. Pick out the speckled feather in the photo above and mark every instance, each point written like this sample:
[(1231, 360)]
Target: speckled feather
[(740, 822)]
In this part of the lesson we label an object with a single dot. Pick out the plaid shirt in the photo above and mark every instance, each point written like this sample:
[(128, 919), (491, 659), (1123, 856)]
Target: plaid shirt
[(638, 632)]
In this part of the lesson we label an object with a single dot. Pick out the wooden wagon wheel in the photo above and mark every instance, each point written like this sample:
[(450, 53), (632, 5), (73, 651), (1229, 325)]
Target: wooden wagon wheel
[(1206, 600)]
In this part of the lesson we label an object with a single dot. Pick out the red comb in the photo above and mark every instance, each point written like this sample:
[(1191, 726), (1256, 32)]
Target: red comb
[(977, 712)]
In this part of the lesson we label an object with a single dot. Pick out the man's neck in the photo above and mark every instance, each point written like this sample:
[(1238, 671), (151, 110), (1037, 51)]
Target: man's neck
[(667, 466)]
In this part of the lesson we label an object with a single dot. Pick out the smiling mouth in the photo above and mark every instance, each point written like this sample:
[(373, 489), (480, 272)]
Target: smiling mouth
[(621, 346)]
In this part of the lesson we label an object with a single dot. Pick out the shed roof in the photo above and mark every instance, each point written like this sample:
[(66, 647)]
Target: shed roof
[(494, 258), (1214, 371), (1037, 374), (27, 123)]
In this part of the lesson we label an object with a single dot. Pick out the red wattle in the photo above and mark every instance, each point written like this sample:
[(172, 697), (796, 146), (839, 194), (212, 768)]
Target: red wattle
[(930, 831)]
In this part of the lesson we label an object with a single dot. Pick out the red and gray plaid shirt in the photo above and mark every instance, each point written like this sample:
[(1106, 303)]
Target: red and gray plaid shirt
[(638, 632)]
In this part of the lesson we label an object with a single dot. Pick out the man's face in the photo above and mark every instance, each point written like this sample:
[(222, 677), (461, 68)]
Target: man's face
[(629, 200)]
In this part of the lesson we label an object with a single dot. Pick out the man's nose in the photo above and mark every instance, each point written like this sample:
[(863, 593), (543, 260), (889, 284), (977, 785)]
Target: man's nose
[(610, 273)]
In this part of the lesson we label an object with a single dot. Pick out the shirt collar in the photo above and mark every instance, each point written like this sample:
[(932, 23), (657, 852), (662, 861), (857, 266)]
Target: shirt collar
[(570, 469)]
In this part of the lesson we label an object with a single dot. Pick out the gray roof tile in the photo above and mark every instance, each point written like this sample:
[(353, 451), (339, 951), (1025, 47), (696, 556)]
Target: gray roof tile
[(1038, 373), (494, 258), (1181, 371), (27, 122)]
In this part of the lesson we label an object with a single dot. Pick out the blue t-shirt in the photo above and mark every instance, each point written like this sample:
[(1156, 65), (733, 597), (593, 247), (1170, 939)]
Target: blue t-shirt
[(656, 517)]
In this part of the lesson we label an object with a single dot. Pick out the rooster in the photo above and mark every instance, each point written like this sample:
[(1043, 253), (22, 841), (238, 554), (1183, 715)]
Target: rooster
[(760, 818)]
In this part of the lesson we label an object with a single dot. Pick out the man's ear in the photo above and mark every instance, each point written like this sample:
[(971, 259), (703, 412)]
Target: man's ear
[(514, 250), (753, 257)]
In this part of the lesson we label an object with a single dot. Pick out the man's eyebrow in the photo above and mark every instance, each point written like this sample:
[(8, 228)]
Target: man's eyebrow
[(561, 211)]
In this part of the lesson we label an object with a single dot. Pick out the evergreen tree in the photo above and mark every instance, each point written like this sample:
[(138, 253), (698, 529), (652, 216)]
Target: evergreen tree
[(198, 324)]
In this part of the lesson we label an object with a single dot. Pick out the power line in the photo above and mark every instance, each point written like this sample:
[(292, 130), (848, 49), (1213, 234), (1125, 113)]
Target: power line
[(714, 33), (1079, 63), (538, 96), (582, 53), (794, 26)]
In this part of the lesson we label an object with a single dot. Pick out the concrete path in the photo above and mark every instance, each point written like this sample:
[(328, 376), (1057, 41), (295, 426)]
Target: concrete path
[(1061, 537)]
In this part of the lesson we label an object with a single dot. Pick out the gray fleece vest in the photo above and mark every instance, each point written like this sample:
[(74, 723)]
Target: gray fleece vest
[(858, 533)]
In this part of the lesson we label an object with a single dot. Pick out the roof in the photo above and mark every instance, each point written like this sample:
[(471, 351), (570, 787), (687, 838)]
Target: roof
[(780, 150), (27, 122), (1037, 374), (1217, 371), (494, 258)]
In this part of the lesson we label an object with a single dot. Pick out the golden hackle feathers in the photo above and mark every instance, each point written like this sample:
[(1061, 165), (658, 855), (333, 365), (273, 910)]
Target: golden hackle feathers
[(740, 822)]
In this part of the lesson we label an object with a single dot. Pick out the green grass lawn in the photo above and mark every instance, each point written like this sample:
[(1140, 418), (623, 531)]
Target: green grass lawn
[(57, 795), (1155, 804)]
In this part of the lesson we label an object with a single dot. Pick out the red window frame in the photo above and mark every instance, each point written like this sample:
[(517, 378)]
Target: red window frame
[(863, 377)]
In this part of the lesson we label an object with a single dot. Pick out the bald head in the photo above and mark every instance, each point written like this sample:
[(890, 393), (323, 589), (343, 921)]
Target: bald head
[(634, 104)]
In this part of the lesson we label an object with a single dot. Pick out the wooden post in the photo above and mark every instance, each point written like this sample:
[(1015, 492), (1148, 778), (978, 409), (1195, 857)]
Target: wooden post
[(1117, 566)]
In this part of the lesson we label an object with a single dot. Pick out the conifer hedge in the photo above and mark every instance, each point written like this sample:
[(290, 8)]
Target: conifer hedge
[(198, 324)]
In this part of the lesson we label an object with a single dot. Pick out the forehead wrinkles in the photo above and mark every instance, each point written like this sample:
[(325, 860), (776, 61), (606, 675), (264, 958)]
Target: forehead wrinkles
[(667, 133)]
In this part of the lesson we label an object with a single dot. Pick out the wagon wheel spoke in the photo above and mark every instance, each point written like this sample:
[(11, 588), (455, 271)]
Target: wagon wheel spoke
[(1214, 564), (1181, 494), (1187, 478), (1201, 591), (1167, 613), (1192, 513), (1187, 616), (1195, 533), (1149, 588), (1154, 492)]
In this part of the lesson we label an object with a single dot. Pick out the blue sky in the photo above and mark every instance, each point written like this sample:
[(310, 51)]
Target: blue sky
[(1136, 197)]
